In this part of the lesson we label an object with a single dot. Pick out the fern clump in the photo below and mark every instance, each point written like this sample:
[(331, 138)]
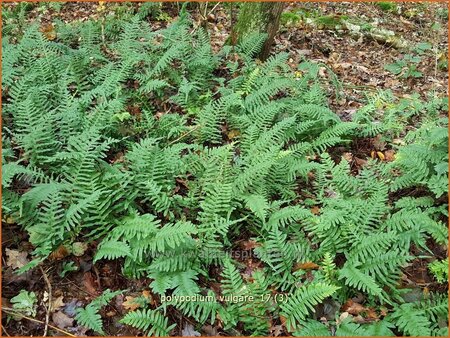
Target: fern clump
[(129, 140)]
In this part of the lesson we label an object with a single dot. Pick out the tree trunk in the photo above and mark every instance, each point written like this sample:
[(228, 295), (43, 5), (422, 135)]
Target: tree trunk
[(263, 17)]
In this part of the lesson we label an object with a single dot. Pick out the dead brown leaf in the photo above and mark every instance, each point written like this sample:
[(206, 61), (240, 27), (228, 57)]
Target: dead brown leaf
[(130, 303), (89, 283), (389, 155), (49, 31), (353, 308), (62, 320), (380, 155), (315, 210), (16, 259), (248, 245), (276, 330), (347, 156), (59, 253), (306, 266), (57, 303), (378, 143), (233, 134), (360, 162)]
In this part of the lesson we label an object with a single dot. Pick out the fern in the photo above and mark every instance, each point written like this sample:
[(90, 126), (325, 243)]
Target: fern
[(150, 321), (297, 307), (90, 317), (172, 157)]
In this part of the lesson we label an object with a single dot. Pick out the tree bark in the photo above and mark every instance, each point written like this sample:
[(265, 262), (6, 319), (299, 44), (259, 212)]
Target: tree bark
[(262, 17)]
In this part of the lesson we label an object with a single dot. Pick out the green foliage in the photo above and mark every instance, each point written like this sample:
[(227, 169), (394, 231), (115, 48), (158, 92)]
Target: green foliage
[(424, 158), (67, 267), (387, 6), (25, 302), (150, 321), (90, 317), (168, 156), (406, 67), (300, 303), (439, 269)]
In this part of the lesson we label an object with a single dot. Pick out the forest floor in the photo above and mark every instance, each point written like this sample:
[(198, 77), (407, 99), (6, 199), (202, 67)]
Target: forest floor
[(357, 60)]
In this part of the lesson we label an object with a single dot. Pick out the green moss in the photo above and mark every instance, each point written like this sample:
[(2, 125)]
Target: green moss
[(330, 21), (387, 6)]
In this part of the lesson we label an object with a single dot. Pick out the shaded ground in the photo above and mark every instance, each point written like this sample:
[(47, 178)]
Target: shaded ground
[(359, 64)]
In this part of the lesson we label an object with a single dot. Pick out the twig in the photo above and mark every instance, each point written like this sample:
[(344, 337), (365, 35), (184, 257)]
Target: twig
[(49, 306), (15, 313), (97, 275), (185, 134), (6, 332), (206, 8), (212, 10)]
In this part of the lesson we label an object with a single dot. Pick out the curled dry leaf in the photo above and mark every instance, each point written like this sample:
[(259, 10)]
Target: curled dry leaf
[(353, 308), (306, 266), (380, 155)]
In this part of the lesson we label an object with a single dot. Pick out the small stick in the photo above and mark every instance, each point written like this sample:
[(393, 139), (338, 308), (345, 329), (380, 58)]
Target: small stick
[(212, 10), (6, 332), (15, 313), (49, 307), (185, 134)]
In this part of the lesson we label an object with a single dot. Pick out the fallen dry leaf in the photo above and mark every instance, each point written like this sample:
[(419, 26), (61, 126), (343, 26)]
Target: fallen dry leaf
[(233, 134), (342, 317), (306, 266), (372, 314), (49, 31), (59, 253), (347, 156), (360, 162), (353, 307), (189, 331), (276, 330), (57, 303), (283, 320), (389, 155), (16, 259), (378, 143), (62, 320), (315, 210), (248, 245), (130, 303), (89, 283), (380, 155)]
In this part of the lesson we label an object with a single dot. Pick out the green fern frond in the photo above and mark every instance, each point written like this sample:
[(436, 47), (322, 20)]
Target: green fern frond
[(302, 302), (152, 322)]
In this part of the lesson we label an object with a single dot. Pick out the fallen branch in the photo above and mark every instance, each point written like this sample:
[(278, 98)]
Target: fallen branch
[(22, 316), (6, 332), (49, 306)]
